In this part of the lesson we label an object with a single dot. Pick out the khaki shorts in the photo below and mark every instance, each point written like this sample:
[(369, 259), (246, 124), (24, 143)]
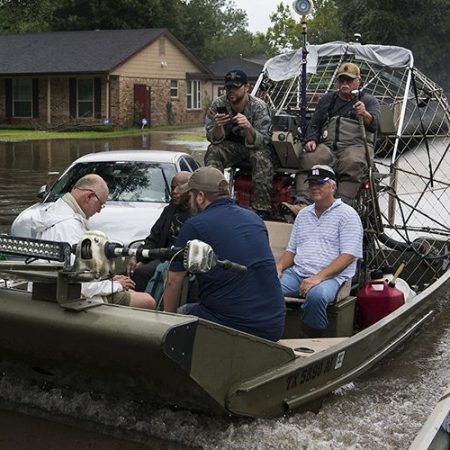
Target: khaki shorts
[(119, 298)]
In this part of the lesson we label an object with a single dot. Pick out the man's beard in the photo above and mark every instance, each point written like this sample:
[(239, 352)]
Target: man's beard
[(194, 207), (237, 99)]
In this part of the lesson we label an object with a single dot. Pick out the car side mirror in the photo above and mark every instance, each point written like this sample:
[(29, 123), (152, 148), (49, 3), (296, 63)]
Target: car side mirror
[(43, 190)]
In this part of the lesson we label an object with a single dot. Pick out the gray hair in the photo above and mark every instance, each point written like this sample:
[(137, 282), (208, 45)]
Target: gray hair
[(89, 181), (92, 182), (333, 184)]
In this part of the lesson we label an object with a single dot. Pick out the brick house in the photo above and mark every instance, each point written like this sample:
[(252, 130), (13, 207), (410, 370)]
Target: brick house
[(122, 76)]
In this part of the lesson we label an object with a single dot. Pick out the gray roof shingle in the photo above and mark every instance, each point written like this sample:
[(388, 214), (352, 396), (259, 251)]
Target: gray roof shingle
[(223, 66), (72, 51)]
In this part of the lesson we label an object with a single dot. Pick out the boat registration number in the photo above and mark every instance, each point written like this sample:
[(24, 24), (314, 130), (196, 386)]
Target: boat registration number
[(314, 370)]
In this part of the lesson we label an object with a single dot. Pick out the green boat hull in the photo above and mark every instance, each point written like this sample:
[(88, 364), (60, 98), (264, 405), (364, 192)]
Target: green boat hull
[(187, 362)]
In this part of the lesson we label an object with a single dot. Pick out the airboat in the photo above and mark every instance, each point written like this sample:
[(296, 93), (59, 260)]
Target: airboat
[(435, 433), (192, 363)]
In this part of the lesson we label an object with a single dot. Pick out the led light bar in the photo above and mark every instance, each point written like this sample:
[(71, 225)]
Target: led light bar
[(36, 248)]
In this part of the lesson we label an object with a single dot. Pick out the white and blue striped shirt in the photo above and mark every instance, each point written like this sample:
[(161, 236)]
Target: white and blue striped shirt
[(318, 241)]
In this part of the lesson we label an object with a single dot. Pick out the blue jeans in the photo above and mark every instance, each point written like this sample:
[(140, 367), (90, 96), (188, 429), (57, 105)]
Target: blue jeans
[(317, 298)]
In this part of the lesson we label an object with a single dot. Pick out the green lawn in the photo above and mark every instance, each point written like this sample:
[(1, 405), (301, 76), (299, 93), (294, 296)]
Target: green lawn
[(17, 135)]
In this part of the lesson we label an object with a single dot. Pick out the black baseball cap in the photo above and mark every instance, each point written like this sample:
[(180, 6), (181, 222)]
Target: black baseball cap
[(236, 78)]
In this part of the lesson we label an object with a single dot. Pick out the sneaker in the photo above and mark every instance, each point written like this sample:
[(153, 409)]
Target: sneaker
[(293, 209)]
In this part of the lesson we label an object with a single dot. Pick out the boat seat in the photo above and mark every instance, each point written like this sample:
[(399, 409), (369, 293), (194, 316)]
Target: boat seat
[(279, 234), (340, 313)]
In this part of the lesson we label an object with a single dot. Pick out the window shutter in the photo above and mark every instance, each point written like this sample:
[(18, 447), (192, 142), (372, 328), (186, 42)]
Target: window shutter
[(73, 97), (35, 85), (8, 98), (98, 98)]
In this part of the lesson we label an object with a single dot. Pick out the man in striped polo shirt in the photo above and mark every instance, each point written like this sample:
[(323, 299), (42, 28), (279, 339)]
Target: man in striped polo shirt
[(325, 243)]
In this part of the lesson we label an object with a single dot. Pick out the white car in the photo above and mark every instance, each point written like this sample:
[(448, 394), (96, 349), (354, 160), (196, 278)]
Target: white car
[(139, 187)]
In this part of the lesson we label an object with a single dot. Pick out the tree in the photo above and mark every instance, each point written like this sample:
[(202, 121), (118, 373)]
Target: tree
[(286, 31), (19, 16), (420, 26), (209, 28), (324, 25), (211, 24)]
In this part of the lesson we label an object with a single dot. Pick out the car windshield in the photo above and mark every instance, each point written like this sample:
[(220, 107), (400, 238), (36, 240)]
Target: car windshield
[(128, 181)]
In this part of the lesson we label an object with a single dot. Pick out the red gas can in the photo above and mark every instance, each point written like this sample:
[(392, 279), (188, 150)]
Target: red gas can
[(376, 300)]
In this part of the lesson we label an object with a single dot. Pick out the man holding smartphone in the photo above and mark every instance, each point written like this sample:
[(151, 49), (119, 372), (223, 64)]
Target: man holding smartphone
[(237, 127)]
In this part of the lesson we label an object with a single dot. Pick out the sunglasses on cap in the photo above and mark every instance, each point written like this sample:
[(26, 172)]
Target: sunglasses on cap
[(320, 182)]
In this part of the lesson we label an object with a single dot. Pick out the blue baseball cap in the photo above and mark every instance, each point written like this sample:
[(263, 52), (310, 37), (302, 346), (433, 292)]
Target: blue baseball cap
[(236, 78)]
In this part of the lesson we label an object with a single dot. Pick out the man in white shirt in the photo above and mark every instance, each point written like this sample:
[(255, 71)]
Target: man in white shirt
[(66, 220), (325, 243)]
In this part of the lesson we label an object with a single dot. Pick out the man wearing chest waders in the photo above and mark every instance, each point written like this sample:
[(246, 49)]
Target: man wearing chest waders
[(335, 137)]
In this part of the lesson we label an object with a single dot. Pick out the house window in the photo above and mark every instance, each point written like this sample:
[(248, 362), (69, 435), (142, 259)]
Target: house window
[(22, 97), (85, 97), (193, 94), (173, 88)]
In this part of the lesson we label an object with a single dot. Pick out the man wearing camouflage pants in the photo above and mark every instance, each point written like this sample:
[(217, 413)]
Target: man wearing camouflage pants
[(237, 127)]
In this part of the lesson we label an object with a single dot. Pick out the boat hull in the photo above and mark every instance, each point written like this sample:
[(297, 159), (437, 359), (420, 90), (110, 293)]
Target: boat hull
[(184, 361)]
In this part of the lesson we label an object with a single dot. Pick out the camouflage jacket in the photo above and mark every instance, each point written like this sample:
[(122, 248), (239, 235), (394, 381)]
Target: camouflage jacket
[(257, 114)]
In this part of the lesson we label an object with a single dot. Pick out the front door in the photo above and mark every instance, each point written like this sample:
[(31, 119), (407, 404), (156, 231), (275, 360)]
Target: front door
[(142, 104)]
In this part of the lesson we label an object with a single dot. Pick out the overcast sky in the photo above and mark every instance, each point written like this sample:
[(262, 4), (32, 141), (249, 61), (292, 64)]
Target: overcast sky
[(258, 12)]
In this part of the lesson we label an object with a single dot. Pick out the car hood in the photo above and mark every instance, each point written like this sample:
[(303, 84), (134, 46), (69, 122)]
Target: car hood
[(120, 221)]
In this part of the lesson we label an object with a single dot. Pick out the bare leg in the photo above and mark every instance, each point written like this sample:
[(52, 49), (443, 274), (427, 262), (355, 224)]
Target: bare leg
[(142, 300)]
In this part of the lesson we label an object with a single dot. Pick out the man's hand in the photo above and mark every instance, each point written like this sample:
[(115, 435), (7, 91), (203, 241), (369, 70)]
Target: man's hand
[(131, 266), (360, 109), (310, 146), (309, 283), (126, 282), (279, 271), (242, 122), (222, 119)]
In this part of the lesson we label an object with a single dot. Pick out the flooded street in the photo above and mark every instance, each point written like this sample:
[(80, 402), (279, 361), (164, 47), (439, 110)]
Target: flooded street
[(26, 166), (382, 410)]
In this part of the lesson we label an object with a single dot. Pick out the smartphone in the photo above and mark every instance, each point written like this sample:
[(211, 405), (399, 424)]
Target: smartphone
[(222, 110)]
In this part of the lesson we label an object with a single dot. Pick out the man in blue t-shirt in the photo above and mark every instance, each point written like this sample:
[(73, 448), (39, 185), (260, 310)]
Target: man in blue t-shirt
[(250, 301)]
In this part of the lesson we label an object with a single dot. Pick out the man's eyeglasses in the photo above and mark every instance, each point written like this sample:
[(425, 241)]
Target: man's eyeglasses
[(102, 204), (321, 182), (343, 79)]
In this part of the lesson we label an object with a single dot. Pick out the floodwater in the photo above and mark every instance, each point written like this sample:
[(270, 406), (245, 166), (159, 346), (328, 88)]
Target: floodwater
[(382, 410)]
